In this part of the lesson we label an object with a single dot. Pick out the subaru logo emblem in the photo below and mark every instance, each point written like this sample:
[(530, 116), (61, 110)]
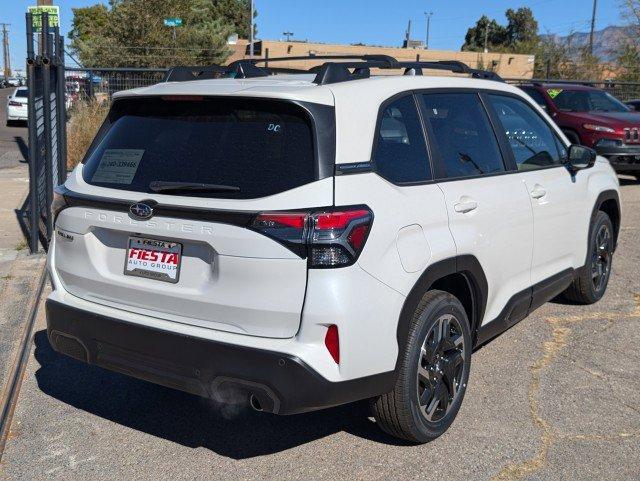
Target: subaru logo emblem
[(141, 211)]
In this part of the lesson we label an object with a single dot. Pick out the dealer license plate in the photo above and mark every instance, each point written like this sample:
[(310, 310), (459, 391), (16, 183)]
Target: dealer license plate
[(154, 259)]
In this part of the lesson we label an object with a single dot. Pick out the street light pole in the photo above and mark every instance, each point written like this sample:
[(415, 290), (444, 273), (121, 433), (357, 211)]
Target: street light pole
[(428, 15), (288, 34), (251, 32)]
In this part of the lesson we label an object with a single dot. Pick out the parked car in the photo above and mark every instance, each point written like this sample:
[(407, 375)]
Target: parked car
[(13, 82), (595, 118), (634, 105), (314, 239), (17, 104)]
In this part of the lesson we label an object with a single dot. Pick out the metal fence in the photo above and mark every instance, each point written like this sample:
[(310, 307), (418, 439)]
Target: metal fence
[(102, 83), (47, 129), (624, 91)]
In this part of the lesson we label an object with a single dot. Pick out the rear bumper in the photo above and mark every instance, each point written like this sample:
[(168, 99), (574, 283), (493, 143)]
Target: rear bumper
[(282, 383)]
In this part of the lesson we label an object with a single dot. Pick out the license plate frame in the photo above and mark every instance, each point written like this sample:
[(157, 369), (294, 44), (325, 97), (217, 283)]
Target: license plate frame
[(152, 245)]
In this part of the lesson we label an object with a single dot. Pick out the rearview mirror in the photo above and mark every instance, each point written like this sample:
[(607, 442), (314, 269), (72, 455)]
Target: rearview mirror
[(580, 157)]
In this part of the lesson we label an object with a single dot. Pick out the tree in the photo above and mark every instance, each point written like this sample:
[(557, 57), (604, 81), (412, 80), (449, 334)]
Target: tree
[(628, 54), (475, 37), (235, 13), (522, 28), (519, 36), (131, 33)]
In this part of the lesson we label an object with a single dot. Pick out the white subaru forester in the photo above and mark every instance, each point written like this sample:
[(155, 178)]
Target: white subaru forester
[(316, 238)]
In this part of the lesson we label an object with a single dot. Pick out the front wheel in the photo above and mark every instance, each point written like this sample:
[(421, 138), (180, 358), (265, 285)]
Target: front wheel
[(591, 282), (433, 373)]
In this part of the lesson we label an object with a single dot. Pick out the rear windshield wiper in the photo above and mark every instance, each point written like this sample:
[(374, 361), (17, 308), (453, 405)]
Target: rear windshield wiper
[(161, 186)]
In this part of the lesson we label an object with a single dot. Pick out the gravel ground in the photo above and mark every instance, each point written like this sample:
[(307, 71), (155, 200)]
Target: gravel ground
[(554, 398)]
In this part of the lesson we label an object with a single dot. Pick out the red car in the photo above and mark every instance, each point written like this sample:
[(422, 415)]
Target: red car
[(594, 118)]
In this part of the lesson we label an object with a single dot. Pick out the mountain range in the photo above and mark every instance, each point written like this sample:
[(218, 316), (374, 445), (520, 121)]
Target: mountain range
[(606, 42)]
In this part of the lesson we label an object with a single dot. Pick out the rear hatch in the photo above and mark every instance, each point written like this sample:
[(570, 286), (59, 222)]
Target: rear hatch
[(160, 219)]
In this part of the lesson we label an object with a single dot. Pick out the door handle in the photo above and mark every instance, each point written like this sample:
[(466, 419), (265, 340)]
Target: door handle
[(466, 206), (538, 192)]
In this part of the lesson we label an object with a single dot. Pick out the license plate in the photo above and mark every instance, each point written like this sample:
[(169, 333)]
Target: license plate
[(154, 259)]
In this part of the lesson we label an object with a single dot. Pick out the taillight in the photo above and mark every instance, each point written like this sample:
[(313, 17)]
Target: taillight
[(329, 238), (332, 342)]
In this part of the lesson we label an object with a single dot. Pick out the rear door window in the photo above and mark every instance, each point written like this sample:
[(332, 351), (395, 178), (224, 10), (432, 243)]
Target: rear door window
[(255, 147), (463, 135)]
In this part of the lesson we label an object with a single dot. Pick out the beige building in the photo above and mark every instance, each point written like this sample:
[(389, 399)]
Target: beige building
[(507, 65)]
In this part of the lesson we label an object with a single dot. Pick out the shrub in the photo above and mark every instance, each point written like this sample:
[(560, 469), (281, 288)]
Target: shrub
[(86, 119)]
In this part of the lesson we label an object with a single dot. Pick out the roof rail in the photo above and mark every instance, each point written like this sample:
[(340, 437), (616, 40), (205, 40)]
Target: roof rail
[(350, 67)]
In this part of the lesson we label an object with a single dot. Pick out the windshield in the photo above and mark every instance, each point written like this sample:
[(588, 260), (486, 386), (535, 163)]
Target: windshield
[(251, 148), (586, 101)]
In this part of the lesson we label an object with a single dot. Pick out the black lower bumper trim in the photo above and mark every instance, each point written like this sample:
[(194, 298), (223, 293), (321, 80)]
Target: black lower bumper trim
[(281, 383)]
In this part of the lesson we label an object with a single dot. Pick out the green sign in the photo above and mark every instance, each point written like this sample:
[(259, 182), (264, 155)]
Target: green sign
[(172, 22), (36, 13), (553, 93)]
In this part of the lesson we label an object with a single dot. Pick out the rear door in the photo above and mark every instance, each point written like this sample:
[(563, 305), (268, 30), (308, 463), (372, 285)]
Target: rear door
[(489, 210), (162, 212)]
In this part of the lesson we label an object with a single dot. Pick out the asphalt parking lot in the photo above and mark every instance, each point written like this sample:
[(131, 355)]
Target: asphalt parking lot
[(556, 397), (13, 139)]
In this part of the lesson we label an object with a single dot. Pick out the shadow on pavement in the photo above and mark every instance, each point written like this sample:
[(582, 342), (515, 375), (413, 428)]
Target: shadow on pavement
[(235, 431), (24, 148)]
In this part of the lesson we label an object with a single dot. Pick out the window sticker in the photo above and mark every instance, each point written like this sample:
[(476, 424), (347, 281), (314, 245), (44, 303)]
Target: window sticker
[(553, 93), (118, 166)]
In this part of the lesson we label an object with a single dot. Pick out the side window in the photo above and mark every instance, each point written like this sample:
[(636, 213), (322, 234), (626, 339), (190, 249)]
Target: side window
[(463, 135), (536, 96), (401, 153), (532, 141)]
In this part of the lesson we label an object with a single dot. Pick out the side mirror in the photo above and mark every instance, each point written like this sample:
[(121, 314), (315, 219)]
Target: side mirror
[(580, 157)]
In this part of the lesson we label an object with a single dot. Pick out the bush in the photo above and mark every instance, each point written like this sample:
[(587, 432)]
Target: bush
[(86, 119)]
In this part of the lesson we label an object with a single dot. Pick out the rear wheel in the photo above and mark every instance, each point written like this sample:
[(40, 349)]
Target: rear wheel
[(433, 373), (592, 280)]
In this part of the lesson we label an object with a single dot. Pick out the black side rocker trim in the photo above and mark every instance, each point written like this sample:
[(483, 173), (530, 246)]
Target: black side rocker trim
[(524, 303), (282, 384)]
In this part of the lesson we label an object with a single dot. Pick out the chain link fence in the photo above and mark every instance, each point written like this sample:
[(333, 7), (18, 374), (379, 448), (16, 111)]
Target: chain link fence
[(101, 83)]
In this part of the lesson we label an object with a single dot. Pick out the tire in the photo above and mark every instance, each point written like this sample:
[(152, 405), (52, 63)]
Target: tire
[(572, 136), (591, 281), (404, 412), (637, 177)]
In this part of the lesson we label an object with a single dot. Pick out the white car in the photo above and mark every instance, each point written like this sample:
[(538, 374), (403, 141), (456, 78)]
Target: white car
[(17, 104), (313, 239)]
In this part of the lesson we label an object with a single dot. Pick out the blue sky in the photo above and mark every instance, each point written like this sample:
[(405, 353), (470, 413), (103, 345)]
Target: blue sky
[(378, 22)]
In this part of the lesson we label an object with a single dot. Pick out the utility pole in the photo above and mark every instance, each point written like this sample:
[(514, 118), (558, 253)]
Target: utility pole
[(5, 50), (428, 15), (251, 32), (593, 26), (288, 34), (486, 38)]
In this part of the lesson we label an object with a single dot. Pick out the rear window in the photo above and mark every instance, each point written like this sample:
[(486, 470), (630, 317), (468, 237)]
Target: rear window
[(21, 93), (260, 147)]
